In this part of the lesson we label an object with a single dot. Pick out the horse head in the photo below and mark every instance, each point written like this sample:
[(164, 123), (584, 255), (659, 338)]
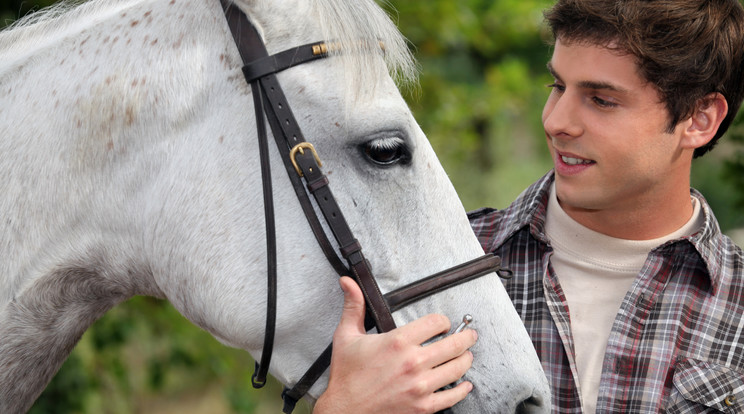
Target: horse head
[(144, 179)]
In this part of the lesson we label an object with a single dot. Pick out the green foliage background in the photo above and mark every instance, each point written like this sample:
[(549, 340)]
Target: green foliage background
[(482, 87)]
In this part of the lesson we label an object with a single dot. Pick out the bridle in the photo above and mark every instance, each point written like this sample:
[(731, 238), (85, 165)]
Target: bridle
[(303, 167)]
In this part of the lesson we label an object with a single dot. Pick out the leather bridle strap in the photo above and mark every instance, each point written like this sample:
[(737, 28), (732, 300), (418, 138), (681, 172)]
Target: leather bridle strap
[(252, 49), (284, 125), (305, 163), (404, 296), (247, 45)]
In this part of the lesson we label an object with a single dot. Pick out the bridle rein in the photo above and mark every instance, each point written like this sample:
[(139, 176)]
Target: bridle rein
[(302, 162)]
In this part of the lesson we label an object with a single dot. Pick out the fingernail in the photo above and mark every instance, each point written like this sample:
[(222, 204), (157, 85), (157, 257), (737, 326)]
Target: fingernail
[(475, 334)]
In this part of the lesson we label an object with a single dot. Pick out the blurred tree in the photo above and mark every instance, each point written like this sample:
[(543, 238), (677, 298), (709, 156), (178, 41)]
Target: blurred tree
[(734, 171), (10, 10), (481, 92)]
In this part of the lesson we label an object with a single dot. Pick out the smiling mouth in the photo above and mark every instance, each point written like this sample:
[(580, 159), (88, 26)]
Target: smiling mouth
[(575, 161)]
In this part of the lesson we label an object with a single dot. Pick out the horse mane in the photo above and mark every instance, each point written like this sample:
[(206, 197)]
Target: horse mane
[(348, 22)]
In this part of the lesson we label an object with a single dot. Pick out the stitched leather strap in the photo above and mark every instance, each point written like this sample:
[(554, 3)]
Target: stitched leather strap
[(283, 60), (268, 95), (288, 134), (404, 296), (249, 46)]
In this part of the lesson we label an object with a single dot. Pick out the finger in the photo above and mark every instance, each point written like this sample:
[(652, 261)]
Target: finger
[(450, 347), (352, 316), (424, 328), (451, 371), (444, 399)]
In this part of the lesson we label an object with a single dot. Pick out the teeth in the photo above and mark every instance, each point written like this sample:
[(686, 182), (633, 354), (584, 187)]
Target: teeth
[(574, 161)]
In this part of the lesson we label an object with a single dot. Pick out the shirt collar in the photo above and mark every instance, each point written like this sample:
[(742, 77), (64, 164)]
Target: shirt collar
[(529, 209), (712, 245)]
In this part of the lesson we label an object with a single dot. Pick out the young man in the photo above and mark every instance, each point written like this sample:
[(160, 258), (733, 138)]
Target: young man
[(632, 296)]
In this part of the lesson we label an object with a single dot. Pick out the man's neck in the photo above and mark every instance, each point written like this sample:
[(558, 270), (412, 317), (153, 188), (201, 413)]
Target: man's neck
[(643, 220)]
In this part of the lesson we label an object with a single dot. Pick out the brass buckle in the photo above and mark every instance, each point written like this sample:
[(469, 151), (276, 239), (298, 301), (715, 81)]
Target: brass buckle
[(324, 48), (301, 149)]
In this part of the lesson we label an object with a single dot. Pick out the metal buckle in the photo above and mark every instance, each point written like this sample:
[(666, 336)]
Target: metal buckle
[(301, 149)]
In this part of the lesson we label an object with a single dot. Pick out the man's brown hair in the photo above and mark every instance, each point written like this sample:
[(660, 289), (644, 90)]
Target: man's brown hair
[(686, 48)]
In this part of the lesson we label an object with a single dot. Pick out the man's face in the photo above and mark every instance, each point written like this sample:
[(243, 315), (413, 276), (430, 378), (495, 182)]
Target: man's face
[(605, 128)]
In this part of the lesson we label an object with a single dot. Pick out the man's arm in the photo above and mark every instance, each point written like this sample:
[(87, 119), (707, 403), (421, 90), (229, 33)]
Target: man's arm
[(392, 372)]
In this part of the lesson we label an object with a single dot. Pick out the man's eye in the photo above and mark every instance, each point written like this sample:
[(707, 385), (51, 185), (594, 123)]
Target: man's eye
[(386, 151), (557, 87), (603, 103)]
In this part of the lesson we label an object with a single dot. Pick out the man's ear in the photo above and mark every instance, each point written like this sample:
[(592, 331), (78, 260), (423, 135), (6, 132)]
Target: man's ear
[(702, 126)]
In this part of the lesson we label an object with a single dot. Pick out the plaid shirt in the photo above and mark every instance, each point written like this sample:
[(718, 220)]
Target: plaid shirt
[(677, 343)]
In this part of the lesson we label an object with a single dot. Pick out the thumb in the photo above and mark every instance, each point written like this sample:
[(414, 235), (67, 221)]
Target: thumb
[(352, 317)]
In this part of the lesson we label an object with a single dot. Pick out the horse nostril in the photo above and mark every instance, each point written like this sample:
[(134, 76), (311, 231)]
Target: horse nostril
[(532, 405)]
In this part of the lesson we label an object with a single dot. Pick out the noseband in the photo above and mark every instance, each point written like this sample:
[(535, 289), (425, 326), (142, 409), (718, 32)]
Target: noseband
[(303, 164)]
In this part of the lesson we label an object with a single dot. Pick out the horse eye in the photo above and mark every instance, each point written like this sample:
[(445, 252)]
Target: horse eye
[(386, 151)]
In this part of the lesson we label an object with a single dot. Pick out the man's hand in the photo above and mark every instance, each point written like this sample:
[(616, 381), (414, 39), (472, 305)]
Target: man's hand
[(392, 372)]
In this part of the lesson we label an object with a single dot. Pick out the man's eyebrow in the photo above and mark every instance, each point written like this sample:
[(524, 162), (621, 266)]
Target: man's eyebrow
[(589, 84)]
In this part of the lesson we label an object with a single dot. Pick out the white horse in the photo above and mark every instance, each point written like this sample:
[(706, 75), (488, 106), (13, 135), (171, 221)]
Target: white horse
[(128, 164)]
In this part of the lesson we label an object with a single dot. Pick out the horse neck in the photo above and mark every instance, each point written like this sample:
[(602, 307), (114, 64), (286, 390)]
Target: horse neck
[(87, 120)]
